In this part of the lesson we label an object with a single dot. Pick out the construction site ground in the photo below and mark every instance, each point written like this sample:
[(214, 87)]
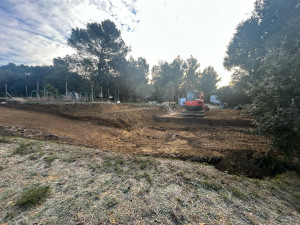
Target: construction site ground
[(224, 137)]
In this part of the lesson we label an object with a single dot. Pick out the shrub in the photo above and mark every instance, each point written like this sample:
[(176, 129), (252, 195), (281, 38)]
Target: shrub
[(238, 193), (33, 196), (49, 159), (211, 185), (23, 149)]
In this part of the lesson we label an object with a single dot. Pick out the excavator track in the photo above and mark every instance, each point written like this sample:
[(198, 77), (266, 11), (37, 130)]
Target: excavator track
[(193, 113)]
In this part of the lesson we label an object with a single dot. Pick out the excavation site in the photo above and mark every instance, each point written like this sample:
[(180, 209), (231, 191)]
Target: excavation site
[(224, 138)]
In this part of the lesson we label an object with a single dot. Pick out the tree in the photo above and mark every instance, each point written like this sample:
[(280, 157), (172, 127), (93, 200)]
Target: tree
[(61, 74), (273, 23), (165, 72), (145, 91), (266, 49), (135, 76), (275, 112), (191, 74), (208, 81), (6, 77), (169, 92), (101, 51)]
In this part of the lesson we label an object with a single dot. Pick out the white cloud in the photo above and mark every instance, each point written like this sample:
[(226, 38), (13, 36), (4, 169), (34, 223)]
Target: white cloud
[(34, 32)]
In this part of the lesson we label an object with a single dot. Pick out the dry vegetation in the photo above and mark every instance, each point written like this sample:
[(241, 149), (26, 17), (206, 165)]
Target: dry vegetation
[(48, 183)]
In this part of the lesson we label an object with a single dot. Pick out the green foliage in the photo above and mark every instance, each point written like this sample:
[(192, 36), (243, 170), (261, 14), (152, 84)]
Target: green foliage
[(274, 107), (232, 96), (238, 193), (33, 196), (51, 89), (185, 75), (208, 81), (265, 49), (133, 82), (24, 149), (49, 159), (147, 177), (101, 52), (165, 72), (212, 185), (169, 93), (145, 163), (5, 140), (9, 216), (111, 202), (115, 163), (191, 75)]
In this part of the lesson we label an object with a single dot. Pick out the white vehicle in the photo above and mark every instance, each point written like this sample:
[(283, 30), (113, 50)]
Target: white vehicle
[(214, 100)]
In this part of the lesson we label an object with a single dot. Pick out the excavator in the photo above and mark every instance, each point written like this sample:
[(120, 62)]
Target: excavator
[(194, 104)]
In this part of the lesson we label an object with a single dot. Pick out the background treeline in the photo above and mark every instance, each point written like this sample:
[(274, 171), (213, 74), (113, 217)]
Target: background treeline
[(169, 81), (102, 62)]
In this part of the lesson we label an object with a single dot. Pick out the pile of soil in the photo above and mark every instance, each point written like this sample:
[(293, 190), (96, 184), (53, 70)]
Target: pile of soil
[(108, 114)]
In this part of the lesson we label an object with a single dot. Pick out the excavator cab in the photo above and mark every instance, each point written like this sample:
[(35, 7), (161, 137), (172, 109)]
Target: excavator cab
[(192, 95)]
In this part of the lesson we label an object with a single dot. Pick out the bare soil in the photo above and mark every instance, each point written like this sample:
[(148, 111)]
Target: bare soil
[(224, 137)]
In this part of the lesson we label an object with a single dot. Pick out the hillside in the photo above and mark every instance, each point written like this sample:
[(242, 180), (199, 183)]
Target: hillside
[(80, 185)]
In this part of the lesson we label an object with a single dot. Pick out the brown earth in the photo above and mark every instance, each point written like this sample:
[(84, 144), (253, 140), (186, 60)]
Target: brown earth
[(224, 137)]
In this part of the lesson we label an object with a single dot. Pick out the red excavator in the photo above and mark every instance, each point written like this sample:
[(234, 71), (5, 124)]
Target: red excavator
[(194, 104)]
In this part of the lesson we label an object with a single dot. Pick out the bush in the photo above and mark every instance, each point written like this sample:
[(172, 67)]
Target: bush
[(274, 107), (33, 196), (23, 149), (50, 159)]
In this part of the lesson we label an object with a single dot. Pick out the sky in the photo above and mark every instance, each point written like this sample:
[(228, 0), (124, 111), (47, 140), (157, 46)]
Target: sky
[(33, 32)]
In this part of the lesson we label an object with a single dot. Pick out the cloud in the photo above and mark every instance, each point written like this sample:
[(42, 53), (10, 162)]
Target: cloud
[(34, 32)]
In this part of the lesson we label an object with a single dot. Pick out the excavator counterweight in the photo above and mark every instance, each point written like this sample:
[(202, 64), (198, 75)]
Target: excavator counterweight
[(194, 104)]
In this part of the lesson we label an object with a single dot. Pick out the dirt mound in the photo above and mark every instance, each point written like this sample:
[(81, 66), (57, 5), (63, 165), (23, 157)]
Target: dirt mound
[(107, 114)]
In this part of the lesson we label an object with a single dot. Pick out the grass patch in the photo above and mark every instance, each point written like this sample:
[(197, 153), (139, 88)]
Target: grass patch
[(145, 163), (211, 185), (94, 166), (255, 193), (111, 202), (69, 158), (24, 149), (225, 197), (8, 216), (49, 159), (147, 177), (115, 163), (5, 140), (238, 193), (33, 196), (36, 156), (257, 182)]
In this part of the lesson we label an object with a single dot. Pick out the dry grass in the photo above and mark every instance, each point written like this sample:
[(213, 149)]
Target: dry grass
[(90, 186)]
